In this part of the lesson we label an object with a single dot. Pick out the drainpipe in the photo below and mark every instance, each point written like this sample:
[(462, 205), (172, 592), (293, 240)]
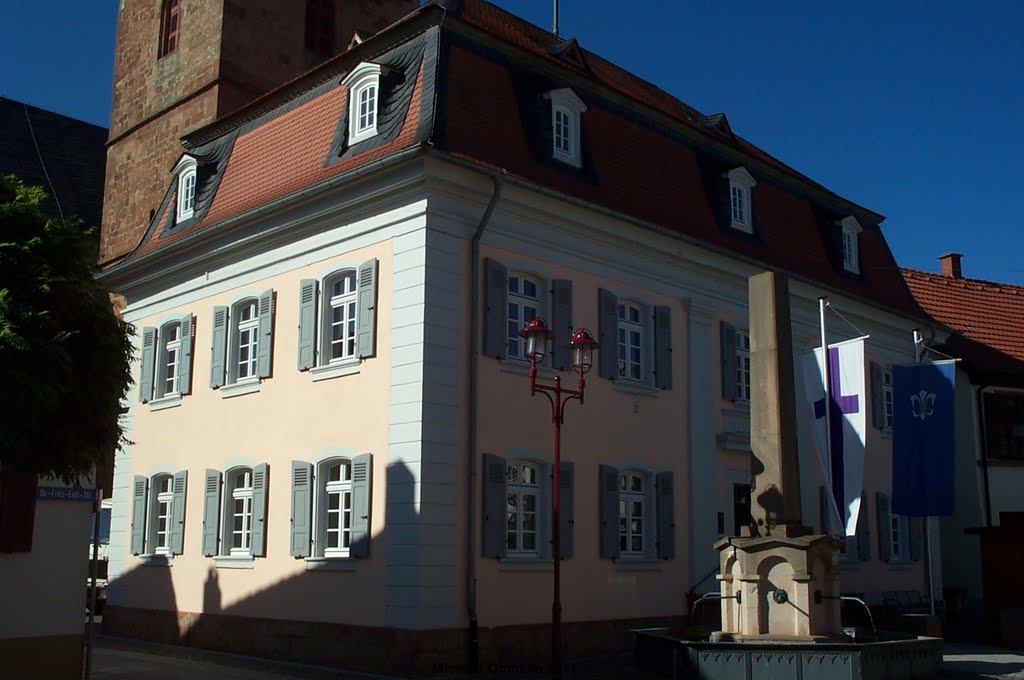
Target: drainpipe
[(473, 660), (983, 429)]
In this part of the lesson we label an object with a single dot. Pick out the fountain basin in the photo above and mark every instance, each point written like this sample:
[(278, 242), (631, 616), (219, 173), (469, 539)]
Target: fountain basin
[(675, 654)]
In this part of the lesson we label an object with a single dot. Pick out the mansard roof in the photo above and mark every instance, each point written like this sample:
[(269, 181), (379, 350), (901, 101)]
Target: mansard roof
[(473, 87), (987, 320)]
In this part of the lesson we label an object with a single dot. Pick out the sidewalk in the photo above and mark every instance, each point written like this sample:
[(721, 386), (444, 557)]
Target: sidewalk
[(126, 659)]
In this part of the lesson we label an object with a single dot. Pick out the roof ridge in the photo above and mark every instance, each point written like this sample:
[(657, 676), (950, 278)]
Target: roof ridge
[(963, 279)]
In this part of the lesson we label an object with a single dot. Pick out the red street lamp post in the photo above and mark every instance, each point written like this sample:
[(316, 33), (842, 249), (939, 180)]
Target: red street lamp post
[(581, 353)]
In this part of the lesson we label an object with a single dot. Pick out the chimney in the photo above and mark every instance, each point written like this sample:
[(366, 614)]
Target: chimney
[(951, 265)]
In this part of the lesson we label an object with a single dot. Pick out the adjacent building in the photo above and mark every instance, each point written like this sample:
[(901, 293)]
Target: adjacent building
[(333, 442)]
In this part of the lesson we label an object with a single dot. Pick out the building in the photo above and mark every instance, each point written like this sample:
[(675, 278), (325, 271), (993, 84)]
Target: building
[(985, 319), (334, 444), (44, 526)]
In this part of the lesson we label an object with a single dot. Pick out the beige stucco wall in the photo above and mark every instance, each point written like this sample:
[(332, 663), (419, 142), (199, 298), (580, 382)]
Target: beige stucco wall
[(290, 418)]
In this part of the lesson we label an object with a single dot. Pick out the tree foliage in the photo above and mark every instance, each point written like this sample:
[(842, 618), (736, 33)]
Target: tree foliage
[(64, 354)]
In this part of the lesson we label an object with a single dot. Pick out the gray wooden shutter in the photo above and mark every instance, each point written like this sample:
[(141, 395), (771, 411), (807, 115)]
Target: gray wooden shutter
[(727, 338), (366, 316), (665, 491), (362, 480), (863, 531), (877, 399), (148, 362), (823, 509), (302, 508), (495, 502), (884, 527), (211, 512), (138, 535), (219, 348), (914, 524), (307, 324), (185, 356), (561, 323), (177, 529), (495, 308), (608, 337), (266, 344), (663, 347), (259, 510), (608, 505), (566, 513)]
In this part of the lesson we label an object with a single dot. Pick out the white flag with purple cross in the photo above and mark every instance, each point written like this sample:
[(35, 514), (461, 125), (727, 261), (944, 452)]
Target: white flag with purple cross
[(843, 465)]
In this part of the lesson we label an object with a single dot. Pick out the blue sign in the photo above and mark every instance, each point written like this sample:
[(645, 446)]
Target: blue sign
[(66, 493)]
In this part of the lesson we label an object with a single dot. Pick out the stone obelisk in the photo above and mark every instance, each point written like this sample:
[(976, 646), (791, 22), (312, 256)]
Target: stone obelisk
[(779, 581)]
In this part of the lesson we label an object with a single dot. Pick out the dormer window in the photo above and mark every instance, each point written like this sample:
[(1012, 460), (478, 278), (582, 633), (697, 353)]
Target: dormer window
[(364, 96), (851, 230), (566, 108), (741, 183), (186, 172)]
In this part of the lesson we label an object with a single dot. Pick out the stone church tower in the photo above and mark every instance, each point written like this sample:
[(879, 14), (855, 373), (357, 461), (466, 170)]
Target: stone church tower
[(181, 64)]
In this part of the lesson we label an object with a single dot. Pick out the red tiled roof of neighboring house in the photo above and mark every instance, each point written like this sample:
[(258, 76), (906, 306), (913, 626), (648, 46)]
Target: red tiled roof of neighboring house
[(988, 320)]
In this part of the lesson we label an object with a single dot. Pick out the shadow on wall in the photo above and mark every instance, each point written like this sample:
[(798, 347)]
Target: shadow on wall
[(289, 619)]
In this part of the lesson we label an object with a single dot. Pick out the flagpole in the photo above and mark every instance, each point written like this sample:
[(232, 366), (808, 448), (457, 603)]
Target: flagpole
[(822, 304), (918, 340)]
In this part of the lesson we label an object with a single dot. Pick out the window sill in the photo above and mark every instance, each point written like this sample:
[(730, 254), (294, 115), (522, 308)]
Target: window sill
[(335, 370), (233, 562), (166, 401), (637, 564), (330, 564), (239, 388), (901, 565), (156, 560), (362, 136), (742, 226), (634, 388), (523, 368), (526, 564)]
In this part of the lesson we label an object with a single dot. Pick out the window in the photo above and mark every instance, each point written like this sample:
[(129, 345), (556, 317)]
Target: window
[(346, 316), (887, 399), (186, 172), (158, 514), (636, 514), (166, 360), (334, 520), (511, 299), (169, 24), (234, 516), (523, 306), (1004, 424), (566, 109), (742, 366), (242, 342), (899, 538), (637, 339), (741, 185), (633, 513), (523, 491), (517, 522), (320, 27), (849, 230), (364, 96)]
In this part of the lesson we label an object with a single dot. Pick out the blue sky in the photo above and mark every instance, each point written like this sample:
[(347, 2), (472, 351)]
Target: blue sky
[(910, 108)]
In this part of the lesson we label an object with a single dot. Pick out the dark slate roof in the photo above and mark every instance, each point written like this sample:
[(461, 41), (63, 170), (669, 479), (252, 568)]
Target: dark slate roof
[(987, 320), (73, 151)]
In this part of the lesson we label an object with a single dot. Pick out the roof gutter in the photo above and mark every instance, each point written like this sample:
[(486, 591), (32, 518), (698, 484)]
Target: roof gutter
[(473, 649)]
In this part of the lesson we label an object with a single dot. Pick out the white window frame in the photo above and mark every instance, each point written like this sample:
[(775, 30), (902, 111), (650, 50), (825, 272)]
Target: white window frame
[(187, 173), (248, 329), (899, 538), (741, 182), (643, 327), (349, 301), (361, 80), (564, 102), (648, 522), (160, 506), (233, 491), (887, 400), (514, 486), (168, 359), (850, 245), (743, 365), (522, 302), (342, 488)]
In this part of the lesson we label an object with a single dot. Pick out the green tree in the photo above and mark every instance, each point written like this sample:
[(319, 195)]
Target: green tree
[(64, 355)]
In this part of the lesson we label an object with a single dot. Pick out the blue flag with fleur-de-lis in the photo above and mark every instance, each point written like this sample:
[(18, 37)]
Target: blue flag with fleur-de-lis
[(923, 439)]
